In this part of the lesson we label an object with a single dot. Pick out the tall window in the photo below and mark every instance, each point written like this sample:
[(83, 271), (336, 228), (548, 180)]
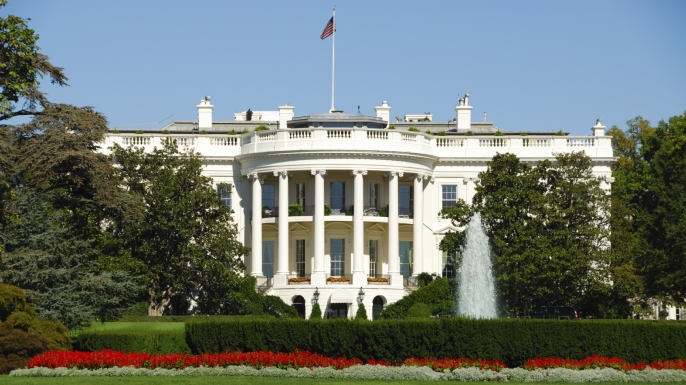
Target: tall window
[(268, 195), (224, 192), (300, 257), (338, 197), (449, 269), (405, 258), (373, 256), (268, 258), (337, 257), (374, 195), (449, 196), (405, 201), (300, 194)]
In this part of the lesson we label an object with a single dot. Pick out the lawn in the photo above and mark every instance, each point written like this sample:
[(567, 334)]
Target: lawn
[(206, 380), (98, 326)]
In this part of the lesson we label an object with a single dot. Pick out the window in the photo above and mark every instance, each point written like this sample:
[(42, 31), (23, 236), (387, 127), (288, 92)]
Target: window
[(405, 258), (337, 257), (405, 201), (224, 192), (338, 310), (449, 267), (373, 256), (377, 307), (268, 195), (449, 196), (300, 257), (268, 258), (300, 194), (374, 195), (338, 197)]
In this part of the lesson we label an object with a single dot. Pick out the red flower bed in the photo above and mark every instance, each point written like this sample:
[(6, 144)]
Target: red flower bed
[(599, 362), (454, 363)]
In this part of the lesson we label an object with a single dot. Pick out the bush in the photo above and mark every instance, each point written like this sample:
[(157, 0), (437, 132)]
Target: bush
[(139, 309), (165, 132), (499, 133), (261, 127), (413, 129), (361, 313), (139, 132), (150, 341), (512, 341), (560, 133), (12, 299), (439, 295), (523, 134), (327, 209), (442, 133), (295, 210), (429, 132), (469, 133), (391, 127), (55, 335), (425, 279), (17, 346), (233, 132), (418, 310), (316, 311), (383, 211), (202, 132)]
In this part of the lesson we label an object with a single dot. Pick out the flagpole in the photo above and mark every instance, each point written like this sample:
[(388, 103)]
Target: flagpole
[(333, 56)]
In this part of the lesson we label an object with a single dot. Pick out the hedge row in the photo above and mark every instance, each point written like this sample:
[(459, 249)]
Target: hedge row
[(512, 341), (150, 341)]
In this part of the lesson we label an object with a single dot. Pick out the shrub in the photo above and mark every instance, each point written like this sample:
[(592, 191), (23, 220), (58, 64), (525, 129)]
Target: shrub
[(55, 335), (499, 133), (316, 311), (439, 295), (139, 309), (114, 131), (418, 310), (17, 346), (361, 313), (245, 131), (391, 127), (442, 133), (327, 209), (469, 133), (139, 132), (295, 210), (274, 305), (560, 133), (413, 129), (425, 279), (261, 127), (233, 132), (12, 299), (149, 341), (350, 210), (166, 132), (429, 132), (202, 132), (523, 134), (383, 211)]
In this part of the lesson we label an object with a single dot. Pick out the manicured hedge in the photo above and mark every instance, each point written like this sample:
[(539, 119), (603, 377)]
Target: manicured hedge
[(512, 341), (150, 341)]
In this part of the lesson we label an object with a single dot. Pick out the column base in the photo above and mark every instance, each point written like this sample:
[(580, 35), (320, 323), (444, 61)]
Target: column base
[(318, 279), (359, 279), (280, 279), (396, 280)]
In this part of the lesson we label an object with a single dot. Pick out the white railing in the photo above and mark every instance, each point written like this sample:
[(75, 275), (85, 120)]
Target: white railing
[(266, 137), (338, 134), (408, 137), (493, 142), (376, 135), (580, 142), (449, 142), (136, 140), (230, 141), (526, 142), (300, 134)]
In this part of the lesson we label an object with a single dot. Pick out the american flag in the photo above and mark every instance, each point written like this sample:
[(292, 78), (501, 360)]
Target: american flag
[(329, 29)]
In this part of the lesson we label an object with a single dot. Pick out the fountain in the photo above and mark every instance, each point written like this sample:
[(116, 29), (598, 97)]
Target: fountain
[(476, 289)]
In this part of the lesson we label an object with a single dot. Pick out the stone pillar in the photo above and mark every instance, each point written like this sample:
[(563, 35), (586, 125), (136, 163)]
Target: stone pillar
[(393, 240), (256, 252), (281, 277), (318, 272), (418, 225), (359, 275)]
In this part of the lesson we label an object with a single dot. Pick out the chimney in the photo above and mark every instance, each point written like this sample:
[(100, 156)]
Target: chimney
[(205, 114), (463, 113), (383, 111), (285, 114), (598, 129)]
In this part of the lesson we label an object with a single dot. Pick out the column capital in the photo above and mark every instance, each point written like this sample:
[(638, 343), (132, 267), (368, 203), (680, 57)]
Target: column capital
[(394, 173), (355, 172), (422, 176), (467, 180), (320, 172), (283, 173), (255, 175)]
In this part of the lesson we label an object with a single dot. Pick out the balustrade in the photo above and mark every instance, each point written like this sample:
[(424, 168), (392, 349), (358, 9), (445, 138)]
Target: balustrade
[(534, 142), (382, 135), (266, 137), (230, 141), (493, 142), (136, 140), (449, 142), (300, 134), (338, 134), (580, 142)]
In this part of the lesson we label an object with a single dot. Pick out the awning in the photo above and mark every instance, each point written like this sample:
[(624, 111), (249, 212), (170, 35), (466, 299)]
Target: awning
[(341, 296)]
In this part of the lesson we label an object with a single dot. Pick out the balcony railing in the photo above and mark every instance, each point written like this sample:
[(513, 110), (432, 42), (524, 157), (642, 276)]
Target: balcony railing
[(299, 279), (378, 279), (405, 212), (264, 284), (339, 279)]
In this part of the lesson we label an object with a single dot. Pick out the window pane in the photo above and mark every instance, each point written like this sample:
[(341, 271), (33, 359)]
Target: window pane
[(337, 257), (405, 201), (268, 195), (374, 195), (373, 257), (300, 194), (449, 195), (224, 192), (268, 258), (405, 258), (338, 197), (300, 257)]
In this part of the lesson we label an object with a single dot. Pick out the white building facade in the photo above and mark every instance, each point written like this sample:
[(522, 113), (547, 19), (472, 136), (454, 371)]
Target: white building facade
[(342, 209)]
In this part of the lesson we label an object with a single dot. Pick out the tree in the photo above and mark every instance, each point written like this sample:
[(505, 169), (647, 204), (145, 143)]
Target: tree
[(186, 239), (661, 215), (316, 311), (21, 68), (361, 312)]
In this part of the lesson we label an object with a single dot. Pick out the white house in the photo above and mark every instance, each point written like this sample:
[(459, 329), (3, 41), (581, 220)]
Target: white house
[(384, 183)]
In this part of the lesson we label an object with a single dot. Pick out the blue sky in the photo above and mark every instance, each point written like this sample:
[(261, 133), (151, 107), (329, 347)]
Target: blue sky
[(531, 65)]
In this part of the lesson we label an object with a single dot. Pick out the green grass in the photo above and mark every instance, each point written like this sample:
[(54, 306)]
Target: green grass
[(97, 326), (206, 380)]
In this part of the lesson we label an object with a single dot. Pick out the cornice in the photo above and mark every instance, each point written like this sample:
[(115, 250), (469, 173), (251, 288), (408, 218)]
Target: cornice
[(337, 154)]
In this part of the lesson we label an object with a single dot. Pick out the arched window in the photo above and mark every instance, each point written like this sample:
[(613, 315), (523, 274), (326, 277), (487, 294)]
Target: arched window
[(377, 307), (299, 305)]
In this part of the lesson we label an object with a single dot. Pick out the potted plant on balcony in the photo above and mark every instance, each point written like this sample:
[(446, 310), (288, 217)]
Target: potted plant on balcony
[(338, 279), (298, 280), (295, 210), (377, 281), (327, 209), (383, 211)]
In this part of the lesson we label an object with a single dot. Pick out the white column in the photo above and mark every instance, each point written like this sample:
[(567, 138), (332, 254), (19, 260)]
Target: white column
[(359, 275), (393, 239), (281, 277), (318, 273), (418, 225), (256, 251)]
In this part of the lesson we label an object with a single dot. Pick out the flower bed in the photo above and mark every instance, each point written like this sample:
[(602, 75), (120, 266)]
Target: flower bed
[(338, 279), (600, 362)]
